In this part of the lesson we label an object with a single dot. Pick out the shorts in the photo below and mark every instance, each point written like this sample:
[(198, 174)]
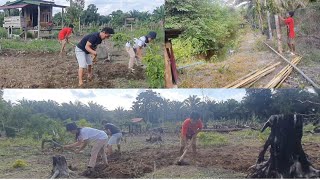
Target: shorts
[(83, 58), (290, 40), (115, 138)]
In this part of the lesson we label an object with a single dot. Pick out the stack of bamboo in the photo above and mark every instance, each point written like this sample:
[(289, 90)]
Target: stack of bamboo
[(250, 79), (283, 74)]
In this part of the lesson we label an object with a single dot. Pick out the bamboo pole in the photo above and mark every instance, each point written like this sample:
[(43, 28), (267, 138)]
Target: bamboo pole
[(256, 76), (279, 77), (295, 67)]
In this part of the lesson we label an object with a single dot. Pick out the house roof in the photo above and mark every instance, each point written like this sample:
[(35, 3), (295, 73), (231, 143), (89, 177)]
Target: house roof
[(136, 120), (23, 3)]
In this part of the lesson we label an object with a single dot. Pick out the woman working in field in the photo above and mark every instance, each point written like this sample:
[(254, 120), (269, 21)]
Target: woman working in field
[(134, 48), (87, 135)]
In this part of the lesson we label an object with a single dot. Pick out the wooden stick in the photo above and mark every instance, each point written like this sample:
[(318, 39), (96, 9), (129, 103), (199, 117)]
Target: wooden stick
[(186, 150)]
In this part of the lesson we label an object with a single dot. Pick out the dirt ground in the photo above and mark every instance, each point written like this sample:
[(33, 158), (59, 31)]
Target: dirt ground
[(20, 69), (250, 56), (140, 159)]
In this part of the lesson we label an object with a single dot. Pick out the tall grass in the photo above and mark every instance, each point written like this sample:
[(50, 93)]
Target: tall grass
[(212, 139), (46, 46)]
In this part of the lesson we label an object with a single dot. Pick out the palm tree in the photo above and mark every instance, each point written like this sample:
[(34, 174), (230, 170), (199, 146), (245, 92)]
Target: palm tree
[(159, 13), (192, 103)]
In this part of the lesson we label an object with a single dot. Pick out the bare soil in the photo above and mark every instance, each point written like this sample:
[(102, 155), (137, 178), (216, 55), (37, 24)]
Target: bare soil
[(19, 69), (138, 158)]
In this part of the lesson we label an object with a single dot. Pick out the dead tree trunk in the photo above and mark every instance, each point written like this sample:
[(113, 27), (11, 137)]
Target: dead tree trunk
[(60, 168), (287, 158)]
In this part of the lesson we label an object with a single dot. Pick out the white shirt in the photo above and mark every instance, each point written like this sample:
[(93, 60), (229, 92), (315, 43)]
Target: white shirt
[(137, 42), (92, 134)]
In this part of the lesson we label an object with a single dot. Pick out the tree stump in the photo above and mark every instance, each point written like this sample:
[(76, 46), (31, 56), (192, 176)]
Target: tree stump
[(287, 158), (60, 168)]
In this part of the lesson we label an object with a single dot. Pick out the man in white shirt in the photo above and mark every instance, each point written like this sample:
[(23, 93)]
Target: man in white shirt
[(87, 135), (135, 47)]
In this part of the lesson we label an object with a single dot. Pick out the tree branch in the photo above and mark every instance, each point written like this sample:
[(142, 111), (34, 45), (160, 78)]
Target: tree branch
[(308, 102)]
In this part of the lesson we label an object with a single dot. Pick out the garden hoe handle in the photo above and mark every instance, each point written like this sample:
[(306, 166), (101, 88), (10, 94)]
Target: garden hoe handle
[(186, 150), (94, 59)]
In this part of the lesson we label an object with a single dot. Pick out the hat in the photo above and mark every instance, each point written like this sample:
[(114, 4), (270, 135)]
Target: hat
[(71, 126), (152, 35)]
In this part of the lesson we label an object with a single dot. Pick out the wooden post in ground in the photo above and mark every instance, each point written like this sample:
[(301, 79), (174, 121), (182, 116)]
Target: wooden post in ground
[(62, 18), (25, 22), (39, 16), (268, 19), (278, 28), (168, 74)]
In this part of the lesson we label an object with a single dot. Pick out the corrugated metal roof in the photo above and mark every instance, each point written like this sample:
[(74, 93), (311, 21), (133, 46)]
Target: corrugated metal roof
[(13, 6)]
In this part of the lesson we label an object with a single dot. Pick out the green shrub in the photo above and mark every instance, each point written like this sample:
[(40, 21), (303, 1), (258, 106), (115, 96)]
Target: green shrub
[(3, 33), (84, 123), (120, 40), (155, 66), (10, 132), (212, 139), (19, 163)]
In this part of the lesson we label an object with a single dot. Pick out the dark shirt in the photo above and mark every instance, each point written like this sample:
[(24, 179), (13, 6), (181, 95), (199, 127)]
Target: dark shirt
[(93, 38), (114, 129)]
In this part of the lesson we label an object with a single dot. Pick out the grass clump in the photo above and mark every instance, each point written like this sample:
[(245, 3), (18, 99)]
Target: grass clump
[(212, 139), (19, 163)]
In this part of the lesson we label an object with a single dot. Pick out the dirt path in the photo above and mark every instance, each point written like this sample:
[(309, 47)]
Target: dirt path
[(251, 55), (39, 70)]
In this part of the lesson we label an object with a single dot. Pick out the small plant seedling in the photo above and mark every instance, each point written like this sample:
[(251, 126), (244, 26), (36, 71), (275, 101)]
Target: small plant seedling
[(19, 163)]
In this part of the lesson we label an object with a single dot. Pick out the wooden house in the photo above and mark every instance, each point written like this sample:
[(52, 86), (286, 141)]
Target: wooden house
[(34, 15)]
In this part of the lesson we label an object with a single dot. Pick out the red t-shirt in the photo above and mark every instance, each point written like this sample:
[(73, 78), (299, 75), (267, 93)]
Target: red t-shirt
[(290, 25), (189, 128), (64, 32)]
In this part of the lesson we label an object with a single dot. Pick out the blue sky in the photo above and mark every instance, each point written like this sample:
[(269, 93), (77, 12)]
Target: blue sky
[(112, 98), (105, 7)]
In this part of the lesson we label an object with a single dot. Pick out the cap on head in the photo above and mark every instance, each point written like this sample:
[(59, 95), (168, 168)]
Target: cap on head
[(71, 26), (194, 116), (152, 35), (108, 30), (291, 13), (71, 126)]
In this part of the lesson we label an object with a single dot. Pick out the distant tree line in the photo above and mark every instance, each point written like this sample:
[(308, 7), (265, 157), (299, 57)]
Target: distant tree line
[(43, 117)]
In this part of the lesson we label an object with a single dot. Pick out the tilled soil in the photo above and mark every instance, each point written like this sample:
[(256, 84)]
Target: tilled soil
[(19, 69), (232, 157)]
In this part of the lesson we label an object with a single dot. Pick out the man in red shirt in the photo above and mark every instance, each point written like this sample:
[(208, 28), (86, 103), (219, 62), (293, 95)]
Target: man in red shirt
[(64, 36), (289, 21), (190, 128)]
